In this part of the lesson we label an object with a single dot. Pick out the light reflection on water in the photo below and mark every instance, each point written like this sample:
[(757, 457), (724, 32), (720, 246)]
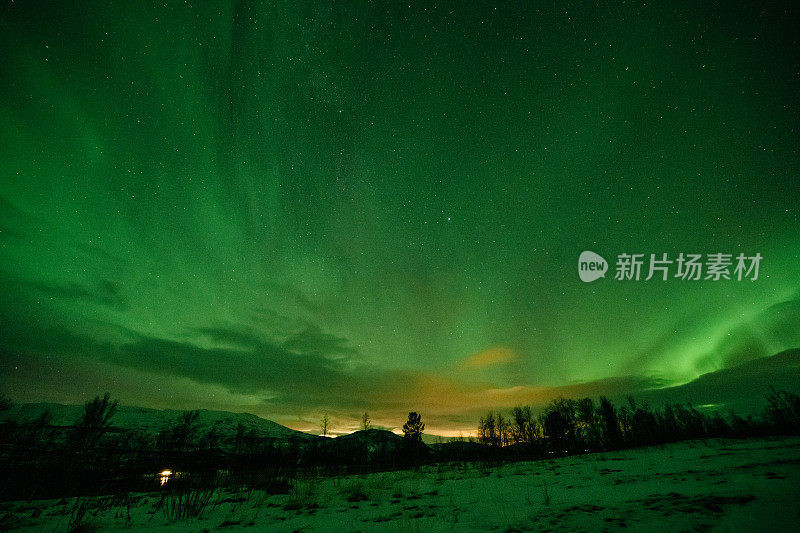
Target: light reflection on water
[(164, 476)]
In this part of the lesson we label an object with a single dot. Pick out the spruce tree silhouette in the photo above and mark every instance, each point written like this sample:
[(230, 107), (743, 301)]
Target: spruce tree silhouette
[(413, 428)]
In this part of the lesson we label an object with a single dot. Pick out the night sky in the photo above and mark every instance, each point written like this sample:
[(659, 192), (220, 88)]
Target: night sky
[(290, 208)]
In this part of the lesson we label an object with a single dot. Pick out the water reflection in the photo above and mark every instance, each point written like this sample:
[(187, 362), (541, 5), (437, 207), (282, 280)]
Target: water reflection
[(164, 476)]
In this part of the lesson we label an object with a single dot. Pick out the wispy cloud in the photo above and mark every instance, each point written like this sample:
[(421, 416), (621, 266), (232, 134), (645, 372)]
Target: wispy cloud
[(491, 357), (103, 292)]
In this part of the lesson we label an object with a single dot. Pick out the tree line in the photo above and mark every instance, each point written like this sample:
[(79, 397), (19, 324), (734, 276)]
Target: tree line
[(41, 460), (577, 426)]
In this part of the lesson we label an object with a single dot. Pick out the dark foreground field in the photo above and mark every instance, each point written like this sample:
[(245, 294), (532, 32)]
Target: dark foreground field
[(726, 485)]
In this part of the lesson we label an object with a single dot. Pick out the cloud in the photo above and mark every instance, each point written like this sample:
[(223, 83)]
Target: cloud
[(103, 292), (289, 374), (313, 341), (293, 387), (228, 337), (33, 378), (295, 380), (491, 357)]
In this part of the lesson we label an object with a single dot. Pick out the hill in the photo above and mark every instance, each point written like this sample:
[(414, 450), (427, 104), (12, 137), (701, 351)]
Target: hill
[(154, 420), (736, 388)]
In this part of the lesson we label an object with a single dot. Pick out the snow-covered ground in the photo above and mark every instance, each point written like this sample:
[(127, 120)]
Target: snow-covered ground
[(725, 485)]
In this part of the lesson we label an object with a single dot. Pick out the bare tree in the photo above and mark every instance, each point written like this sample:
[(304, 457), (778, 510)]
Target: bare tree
[(185, 431), (487, 432), (96, 418), (588, 422), (609, 424), (239, 439), (324, 424), (503, 430), (366, 422), (560, 424), (783, 410), (524, 428)]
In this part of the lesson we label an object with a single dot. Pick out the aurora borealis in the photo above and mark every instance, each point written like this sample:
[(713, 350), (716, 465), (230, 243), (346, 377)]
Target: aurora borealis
[(290, 208)]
